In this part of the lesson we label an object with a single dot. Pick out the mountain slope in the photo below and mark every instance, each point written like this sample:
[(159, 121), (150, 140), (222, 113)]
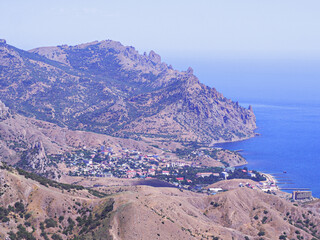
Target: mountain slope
[(143, 212), (109, 88), (33, 207), (29, 142), (159, 213)]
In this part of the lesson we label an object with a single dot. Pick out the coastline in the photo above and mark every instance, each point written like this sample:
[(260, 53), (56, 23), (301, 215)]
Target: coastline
[(213, 143), (270, 177)]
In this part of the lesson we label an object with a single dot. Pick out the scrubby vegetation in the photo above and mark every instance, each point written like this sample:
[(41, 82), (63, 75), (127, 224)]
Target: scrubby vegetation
[(48, 182), (243, 173), (22, 233), (63, 186)]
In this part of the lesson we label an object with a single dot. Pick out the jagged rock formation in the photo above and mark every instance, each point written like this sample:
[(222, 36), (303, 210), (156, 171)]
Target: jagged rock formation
[(110, 88), (35, 159), (4, 111)]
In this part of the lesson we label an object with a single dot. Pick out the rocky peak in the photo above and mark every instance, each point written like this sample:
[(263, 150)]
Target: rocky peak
[(190, 70), (154, 57), (3, 41), (250, 108)]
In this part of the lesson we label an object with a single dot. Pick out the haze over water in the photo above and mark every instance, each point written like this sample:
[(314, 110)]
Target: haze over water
[(286, 100)]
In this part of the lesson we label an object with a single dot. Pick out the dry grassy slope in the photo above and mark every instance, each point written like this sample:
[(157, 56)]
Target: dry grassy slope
[(231, 184), (222, 155), (164, 213), (232, 158), (142, 212), (42, 203), (313, 206), (239, 206)]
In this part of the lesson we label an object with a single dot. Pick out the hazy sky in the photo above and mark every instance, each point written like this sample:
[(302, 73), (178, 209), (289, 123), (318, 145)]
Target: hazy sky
[(183, 32), (244, 27)]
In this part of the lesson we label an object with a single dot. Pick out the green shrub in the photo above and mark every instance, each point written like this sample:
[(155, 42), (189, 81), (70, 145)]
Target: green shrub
[(24, 234), (50, 223), (61, 218), (56, 237), (27, 216), (264, 219), (19, 207)]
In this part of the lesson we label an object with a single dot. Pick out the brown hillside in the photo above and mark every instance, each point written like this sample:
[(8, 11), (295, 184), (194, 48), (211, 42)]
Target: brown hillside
[(142, 212)]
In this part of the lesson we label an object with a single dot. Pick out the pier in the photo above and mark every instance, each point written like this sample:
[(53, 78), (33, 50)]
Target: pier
[(296, 189)]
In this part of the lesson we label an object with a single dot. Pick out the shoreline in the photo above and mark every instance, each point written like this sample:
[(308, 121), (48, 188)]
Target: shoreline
[(270, 177), (272, 180), (212, 144)]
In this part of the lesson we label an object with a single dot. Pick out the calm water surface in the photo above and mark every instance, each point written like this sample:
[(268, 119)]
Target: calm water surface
[(289, 141)]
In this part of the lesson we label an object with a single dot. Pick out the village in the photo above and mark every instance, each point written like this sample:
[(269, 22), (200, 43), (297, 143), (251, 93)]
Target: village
[(185, 174)]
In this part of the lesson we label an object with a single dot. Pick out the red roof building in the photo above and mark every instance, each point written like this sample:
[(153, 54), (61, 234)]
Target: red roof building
[(207, 174), (165, 172)]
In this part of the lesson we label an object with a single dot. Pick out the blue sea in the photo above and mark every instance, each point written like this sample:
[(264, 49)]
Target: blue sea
[(289, 142), (285, 96)]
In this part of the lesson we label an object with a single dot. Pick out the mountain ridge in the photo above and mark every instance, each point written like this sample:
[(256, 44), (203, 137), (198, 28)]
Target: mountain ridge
[(109, 88)]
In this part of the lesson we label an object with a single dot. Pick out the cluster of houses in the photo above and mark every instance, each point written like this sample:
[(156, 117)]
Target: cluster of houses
[(122, 163), (125, 163)]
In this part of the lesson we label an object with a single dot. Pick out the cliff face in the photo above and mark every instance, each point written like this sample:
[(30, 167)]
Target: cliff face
[(110, 88)]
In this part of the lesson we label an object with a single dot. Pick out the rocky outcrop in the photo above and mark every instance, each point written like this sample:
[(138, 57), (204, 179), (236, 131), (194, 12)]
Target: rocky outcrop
[(36, 158), (155, 58), (190, 71), (4, 111)]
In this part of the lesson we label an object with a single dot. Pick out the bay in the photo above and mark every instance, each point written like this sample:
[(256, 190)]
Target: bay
[(285, 97), (289, 142)]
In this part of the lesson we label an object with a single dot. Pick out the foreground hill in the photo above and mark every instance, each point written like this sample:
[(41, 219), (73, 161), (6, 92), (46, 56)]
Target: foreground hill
[(109, 88), (36, 208)]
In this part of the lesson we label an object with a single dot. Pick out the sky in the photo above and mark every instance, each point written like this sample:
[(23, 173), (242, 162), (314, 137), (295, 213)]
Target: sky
[(185, 33)]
